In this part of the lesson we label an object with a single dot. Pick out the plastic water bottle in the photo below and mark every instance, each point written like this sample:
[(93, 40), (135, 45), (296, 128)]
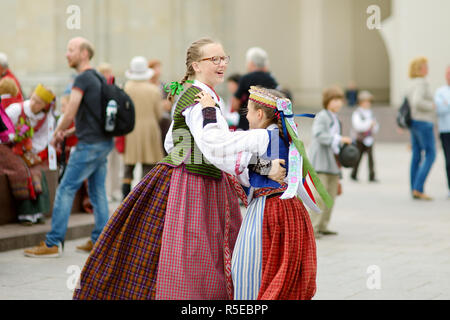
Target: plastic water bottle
[(111, 111)]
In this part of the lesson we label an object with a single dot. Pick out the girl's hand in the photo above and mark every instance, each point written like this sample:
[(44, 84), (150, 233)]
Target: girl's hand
[(277, 172), (205, 99)]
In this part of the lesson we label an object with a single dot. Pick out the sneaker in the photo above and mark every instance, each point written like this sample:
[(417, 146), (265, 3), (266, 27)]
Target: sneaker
[(27, 220), (42, 251), (421, 196), (40, 218), (86, 248), (26, 223)]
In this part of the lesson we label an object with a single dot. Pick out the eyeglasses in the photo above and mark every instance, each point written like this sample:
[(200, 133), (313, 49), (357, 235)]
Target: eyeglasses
[(217, 60)]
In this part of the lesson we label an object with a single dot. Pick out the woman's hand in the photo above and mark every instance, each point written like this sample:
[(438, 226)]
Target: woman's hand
[(205, 99), (277, 172)]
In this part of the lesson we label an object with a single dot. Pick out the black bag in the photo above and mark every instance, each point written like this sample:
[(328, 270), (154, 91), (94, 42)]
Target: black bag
[(122, 122), (348, 155), (404, 115)]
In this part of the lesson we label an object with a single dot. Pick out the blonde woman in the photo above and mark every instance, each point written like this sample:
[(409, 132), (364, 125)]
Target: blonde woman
[(422, 134)]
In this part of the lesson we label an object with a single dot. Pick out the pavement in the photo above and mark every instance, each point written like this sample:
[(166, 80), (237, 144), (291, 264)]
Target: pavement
[(389, 246)]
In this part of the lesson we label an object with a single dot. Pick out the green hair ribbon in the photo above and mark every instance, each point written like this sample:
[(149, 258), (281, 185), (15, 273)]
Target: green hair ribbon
[(175, 88), (307, 167)]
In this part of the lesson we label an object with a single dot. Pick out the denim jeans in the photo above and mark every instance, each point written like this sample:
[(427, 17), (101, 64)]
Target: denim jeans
[(423, 153), (87, 161)]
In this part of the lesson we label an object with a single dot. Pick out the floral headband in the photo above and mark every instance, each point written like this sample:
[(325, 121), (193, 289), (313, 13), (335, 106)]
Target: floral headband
[(282, 105), (261, 96)]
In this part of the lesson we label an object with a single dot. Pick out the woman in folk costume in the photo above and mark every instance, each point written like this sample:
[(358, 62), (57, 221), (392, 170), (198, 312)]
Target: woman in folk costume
[(275, 252), (32, 118), (173, 236)]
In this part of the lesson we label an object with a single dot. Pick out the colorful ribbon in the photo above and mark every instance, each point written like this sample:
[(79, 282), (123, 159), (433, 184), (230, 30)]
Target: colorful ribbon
[(299, 165)]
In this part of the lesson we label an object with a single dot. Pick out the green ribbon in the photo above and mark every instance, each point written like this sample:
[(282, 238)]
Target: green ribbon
[(307, 167), (175, 88)]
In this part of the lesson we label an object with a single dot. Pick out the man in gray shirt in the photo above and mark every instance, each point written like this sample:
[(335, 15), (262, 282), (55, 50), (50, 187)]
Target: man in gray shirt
[(88, 161)]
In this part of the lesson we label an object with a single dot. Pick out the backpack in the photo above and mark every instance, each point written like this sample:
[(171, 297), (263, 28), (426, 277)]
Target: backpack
[(404, 115), (118, 114)]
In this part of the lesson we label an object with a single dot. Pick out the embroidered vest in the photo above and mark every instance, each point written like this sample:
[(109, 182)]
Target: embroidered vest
[(185, 149)]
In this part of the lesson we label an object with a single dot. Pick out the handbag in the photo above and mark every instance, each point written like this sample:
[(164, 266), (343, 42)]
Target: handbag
[(404, 118)]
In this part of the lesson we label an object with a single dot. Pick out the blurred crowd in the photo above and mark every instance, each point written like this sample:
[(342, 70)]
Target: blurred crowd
[(26, 122)]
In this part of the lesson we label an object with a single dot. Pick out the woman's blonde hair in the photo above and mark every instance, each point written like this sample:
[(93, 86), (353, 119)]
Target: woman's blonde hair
[(194, 53), (415, 67), (8, 86), (104, 67)]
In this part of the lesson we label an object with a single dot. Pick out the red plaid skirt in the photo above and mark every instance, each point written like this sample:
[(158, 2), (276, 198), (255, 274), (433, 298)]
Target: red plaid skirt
[(202, 220), (123, 263), (289, 263)]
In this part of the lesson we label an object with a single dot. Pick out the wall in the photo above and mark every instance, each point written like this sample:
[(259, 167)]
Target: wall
[(417, 28), (311, 43)]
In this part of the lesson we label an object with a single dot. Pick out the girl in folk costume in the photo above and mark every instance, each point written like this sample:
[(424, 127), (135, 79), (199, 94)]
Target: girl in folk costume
[(275, 252), (32, 119), (172, 237)]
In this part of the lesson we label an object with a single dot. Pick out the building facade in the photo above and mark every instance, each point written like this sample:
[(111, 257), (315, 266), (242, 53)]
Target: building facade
[(311, 43)]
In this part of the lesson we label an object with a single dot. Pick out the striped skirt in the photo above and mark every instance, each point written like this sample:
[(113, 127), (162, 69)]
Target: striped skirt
[(171, 238), (275, 253)]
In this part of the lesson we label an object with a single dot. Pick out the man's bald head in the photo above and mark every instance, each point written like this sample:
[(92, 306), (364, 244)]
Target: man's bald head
[(83, 44), (79, 51)]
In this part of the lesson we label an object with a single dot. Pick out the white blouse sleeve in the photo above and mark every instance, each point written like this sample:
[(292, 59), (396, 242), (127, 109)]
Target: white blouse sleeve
[(13, 112), (229, 151)]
